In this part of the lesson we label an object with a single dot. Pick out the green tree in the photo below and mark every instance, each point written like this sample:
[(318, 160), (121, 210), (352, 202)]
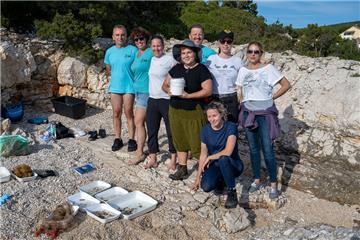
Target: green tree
[(246, 5), (277, 37), (78, 35), (214, 18), (316, 41), (347, 49)]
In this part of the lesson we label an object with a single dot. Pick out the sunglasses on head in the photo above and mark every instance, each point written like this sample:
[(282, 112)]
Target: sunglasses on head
[(256, 52), (139, 39), (228, 41)]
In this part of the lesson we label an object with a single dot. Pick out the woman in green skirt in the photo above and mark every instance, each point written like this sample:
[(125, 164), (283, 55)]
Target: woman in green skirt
[(186, 113)]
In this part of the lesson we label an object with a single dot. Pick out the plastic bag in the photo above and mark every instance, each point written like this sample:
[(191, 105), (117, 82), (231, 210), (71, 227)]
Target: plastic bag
[(14, 145), (50, 132)]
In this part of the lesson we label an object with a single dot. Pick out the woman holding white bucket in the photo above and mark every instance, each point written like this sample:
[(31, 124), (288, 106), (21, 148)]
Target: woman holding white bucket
[(186, 105)]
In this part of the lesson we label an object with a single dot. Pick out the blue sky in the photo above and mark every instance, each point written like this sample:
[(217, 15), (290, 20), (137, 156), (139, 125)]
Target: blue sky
[(300, 13)]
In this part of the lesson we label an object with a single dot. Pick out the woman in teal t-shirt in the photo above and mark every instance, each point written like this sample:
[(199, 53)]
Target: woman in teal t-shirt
[(140, 69)]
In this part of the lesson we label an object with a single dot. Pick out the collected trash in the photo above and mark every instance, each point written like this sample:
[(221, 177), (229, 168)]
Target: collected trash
[(22, 170), (4, 198), (77, 132), (114, 200), (85, 169), (95, 187), (82, 200), (56, 130), (13, 145), (133, 204), (111, 193), (45, 173), (38, 120), (5, 126), (14, 112), (23, 173), (102, 212), (49, 133), (4, 175), (58, 221)]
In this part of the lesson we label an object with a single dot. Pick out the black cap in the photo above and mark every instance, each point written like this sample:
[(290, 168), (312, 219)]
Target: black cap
[(226, 34)]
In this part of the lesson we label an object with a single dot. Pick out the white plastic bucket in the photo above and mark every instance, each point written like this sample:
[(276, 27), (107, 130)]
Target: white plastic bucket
[(177, 86)]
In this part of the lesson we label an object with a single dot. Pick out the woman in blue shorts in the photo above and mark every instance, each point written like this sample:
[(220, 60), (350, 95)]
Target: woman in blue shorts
[(118, 60), (140, 69)]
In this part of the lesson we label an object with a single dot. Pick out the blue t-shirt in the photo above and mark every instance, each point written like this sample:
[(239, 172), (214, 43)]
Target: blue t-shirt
[(215, 140), (140, 68), (120, 60), (205, 53)]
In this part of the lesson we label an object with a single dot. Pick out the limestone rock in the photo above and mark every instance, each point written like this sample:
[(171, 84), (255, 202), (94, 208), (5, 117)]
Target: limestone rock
[(96, 78), (47, 65), (230, 220), (260, 199), (65, 90), (356, 217), (72, 72), (17, 64)]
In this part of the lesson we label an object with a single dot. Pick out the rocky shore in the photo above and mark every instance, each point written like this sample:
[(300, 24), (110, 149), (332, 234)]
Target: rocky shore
[(180, 214), (318, 154)]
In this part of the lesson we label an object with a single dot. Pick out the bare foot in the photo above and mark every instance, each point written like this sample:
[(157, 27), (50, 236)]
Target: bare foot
[(137, 160), (151, 164), (172, 165)]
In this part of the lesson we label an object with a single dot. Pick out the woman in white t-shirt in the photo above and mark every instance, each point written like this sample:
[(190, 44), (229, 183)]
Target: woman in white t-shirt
[(158, 102), (224, 68), (258, 114)]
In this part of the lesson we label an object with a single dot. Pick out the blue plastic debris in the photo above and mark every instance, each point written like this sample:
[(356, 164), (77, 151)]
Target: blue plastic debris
[(4, 198)]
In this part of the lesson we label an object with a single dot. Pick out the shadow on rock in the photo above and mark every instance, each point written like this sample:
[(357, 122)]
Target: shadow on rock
[(287, 147), (244, 202)]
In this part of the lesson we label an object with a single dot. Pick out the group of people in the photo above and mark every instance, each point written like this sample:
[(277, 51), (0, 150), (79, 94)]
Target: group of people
[(220, 93)]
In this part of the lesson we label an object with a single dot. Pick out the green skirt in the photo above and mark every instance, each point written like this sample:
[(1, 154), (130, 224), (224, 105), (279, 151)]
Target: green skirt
[(185, 127)]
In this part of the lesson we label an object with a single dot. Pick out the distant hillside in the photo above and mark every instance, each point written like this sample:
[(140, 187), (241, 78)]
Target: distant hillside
[(339, 27)]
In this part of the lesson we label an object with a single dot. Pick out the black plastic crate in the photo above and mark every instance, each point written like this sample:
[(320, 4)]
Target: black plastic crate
[(69, 106)]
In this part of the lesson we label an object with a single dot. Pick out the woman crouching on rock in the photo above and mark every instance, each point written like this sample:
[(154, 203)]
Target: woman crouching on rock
[(258, 113), (219, 162)]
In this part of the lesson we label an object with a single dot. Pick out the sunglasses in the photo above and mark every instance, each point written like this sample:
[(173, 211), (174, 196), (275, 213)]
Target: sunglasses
[(256, 52), (139, 39), (228, 41)]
